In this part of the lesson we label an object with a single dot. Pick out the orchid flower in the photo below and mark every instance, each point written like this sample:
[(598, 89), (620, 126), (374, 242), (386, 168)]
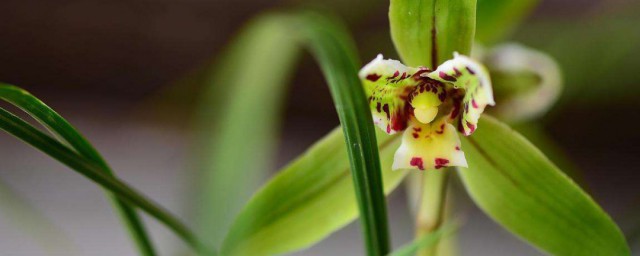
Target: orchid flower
[(430, 107)]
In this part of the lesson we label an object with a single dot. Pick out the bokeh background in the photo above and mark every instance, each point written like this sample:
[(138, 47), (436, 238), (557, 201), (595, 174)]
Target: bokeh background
[(120, 71)]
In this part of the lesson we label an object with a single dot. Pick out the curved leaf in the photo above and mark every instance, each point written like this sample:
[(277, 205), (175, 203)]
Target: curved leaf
[(242, 104), (307, 201), (67, 134), (88, 167), (515, 184), (334, 51)]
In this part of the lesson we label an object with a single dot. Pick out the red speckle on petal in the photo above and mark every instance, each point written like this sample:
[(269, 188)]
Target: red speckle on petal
[(471, 127), (471, 71), (441, 131), (417, 129), (458, 73), (442, 96), (398, 123), (415, 135), (379, 107), (373, 77), (417, 162), (446, 77), (458, 148), (441, 162), (388, 129), (474, 104), (397, 73), (385, 108), (418, 75), (455, 111)]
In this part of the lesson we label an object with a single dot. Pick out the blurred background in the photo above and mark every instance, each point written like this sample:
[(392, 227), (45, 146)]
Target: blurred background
[(121, 71)]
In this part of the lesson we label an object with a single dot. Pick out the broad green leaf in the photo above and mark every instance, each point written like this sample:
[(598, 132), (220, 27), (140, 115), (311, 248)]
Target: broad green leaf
[(238, 121), (86, 165), (517, 186), (68, 135), (427, 32), (537, 135), (498, 18), (307, 201), (334, 51)]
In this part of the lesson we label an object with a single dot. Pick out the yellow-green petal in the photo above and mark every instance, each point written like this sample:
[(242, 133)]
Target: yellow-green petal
[(465, 74), (387, 84)]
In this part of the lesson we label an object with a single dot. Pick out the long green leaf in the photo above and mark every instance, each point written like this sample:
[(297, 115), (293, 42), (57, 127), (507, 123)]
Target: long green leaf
[(238, 121), (515, 184), (94, 171), (329, 43), (427, 32), (335, 52), (307, 201), (70, 136)]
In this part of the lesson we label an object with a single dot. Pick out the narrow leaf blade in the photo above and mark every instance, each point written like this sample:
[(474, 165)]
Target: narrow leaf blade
[(95, 172), (67, 134)]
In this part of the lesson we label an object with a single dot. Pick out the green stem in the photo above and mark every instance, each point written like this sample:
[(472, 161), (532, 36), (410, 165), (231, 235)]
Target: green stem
[(431, 206)]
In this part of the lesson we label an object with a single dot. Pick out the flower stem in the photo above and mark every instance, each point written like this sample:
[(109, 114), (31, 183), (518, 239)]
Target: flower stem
[(431, 205)]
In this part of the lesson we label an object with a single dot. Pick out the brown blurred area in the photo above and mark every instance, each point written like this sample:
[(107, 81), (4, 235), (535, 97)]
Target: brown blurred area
[(100, 63), (115, 48)]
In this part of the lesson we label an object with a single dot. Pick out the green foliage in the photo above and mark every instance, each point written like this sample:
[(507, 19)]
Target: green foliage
[(333, 49), (307, 201), (427, 32), (71, 137), (347, 173), (515, 184), (82, 158), (238, 120)]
